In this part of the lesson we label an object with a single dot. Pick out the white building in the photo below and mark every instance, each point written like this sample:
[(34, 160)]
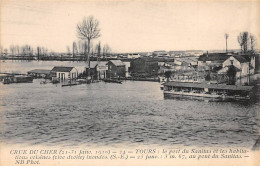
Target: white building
[(65, 72), (243, 66)]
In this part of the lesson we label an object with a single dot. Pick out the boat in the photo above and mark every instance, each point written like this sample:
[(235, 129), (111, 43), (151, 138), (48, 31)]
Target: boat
[(112, 81), (215, 91), (69, 84), (18, 79), (81, 81)]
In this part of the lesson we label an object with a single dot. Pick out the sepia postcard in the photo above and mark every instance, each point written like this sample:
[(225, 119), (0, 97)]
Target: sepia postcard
[(129, 82)]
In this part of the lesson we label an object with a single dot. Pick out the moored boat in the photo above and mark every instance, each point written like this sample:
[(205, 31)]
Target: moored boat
[(215, 91), (112, 81)]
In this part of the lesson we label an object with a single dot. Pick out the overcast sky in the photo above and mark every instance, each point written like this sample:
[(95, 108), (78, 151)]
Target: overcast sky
[(129, 26)]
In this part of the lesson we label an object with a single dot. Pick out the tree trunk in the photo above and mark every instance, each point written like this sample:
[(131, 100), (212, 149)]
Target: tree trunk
[(88, 58)]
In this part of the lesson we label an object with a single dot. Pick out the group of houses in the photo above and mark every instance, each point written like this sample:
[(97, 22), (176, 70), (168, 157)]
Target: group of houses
[(214, 67), (96, 69), (206, 67)]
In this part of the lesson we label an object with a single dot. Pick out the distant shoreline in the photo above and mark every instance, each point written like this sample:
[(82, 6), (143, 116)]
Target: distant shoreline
[(78, 59)]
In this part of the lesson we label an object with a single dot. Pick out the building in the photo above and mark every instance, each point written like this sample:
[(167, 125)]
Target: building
[(133, 55), (185, 53), (39, 73), (208, 61), (241, 63), (64, 72), (116, 69), (160, 53), (144, 66), (101, 69), (97, 69)]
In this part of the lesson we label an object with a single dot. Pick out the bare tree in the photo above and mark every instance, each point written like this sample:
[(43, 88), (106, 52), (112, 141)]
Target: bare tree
[(81, 48), (12, 49), (6, 51), (240, 41), (98, 50), (17, 50), (68, 50), (226, 37), (75, 49), (88, 30), (44, 51), (106, 50), (38, 52), (243, 41), (252, 42)]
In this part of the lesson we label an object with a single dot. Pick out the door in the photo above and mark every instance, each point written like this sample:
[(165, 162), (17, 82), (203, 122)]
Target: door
[(62, 76)]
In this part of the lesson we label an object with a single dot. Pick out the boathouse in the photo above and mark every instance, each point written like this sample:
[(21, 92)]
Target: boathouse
[(116, 69), (196, 89), (64, 72)]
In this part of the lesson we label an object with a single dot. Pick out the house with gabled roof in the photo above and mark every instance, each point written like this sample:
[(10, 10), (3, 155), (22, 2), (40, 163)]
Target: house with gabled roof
[(116, 69), (62, 72), (242, 65)]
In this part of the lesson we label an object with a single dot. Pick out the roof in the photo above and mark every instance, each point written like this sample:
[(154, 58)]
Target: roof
[(117, 62), (171, 63), (210, 86), (62, 69), (93, 64), (40, 71), (240, 58), (103, 63), (213, 57)]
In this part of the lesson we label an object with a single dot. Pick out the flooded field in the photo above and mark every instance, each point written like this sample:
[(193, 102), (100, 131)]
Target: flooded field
[(128, 113)]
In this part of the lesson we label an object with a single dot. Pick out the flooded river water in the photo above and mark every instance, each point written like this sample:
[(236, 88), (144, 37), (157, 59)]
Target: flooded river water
[(109, 114)]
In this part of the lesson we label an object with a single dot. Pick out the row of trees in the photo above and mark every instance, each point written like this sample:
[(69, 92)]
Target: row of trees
[(245, 40), (87, 30), (25, 50), (81, 48)]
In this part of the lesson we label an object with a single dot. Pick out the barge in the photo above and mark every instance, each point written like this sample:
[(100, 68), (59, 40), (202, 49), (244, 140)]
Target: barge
[(205, 90), (11, 78)]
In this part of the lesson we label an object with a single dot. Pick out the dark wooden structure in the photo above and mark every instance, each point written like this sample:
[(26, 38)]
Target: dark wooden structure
[(144, 67), (116, 69)]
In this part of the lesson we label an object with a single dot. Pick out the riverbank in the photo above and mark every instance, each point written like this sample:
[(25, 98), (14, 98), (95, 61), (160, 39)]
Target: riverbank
[(77, 59)]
